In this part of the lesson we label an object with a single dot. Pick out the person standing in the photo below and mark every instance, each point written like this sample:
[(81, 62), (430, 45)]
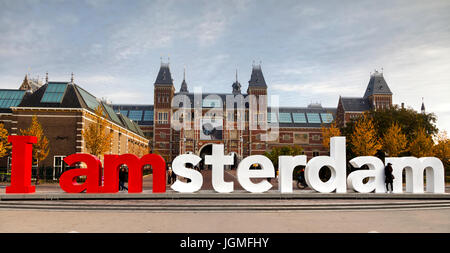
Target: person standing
[(169, 176), (122, 175), (389, 177)]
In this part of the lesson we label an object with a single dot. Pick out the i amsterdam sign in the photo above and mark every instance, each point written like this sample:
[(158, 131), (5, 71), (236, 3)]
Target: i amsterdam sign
[(414, 170)]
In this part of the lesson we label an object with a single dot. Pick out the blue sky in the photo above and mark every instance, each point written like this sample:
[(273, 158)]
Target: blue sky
[(311, 51)]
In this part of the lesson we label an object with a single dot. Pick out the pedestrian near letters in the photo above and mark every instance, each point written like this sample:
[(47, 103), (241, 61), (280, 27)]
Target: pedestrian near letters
[(389, 179), (122, 175)]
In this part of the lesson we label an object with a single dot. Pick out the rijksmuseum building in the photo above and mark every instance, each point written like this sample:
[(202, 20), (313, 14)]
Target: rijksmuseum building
[(296, 125), (65, 110)]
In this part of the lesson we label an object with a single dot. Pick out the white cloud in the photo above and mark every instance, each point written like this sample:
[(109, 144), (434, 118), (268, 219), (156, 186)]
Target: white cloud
[(21, 38), (211, 27), (99, 79), (318, 88), (126, 97)]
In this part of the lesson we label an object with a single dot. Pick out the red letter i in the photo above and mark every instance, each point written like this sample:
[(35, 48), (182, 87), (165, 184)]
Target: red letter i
[(21, 159)]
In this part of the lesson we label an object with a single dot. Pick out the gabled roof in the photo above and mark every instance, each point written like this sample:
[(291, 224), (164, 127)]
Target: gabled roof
[(30, 84), (257, 78), (355, 104), (75, 97), (164, 77), (377, 85), (70, 98)]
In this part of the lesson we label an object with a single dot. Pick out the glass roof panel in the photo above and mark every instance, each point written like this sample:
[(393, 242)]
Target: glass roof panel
[(313, 118), (135, 115), (124, 112), (326, 117), (299, 117), (148, 115), (285, 117), (10, 98), (54, 93)]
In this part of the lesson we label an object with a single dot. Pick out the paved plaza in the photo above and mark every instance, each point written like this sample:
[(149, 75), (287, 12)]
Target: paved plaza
[(34, 221), (222, 215)]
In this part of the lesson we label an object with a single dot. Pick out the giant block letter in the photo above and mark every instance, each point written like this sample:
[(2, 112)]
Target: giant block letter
[(435, 171), (218, 160), (287, 165), (414, 172), (93, 173), (135, 167), (244, 173), (21, 160), (375, 173), (335, 162), (179, 168)]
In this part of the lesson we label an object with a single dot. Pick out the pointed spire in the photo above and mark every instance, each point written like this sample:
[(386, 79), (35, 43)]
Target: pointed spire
[(422, 109), (184, 88), (236, 85), (46, 77), (71, 78)]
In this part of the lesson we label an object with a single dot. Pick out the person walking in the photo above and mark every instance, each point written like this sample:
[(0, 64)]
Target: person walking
[(389, 177), (169, 176), (122, 175)]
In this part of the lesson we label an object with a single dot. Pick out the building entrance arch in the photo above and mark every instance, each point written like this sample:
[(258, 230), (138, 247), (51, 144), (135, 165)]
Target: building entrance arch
[(204, 150)]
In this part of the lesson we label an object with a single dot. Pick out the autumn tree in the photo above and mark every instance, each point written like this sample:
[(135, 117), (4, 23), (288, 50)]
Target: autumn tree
[(442, 150), (394, 141), (409, 120), (5, 147), (41, 148), (328, 132), (364, 140), (422, 145), (96, 136)]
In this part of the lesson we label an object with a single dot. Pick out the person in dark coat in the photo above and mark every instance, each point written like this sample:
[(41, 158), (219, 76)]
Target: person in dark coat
[(389, 178), (122, 176)]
